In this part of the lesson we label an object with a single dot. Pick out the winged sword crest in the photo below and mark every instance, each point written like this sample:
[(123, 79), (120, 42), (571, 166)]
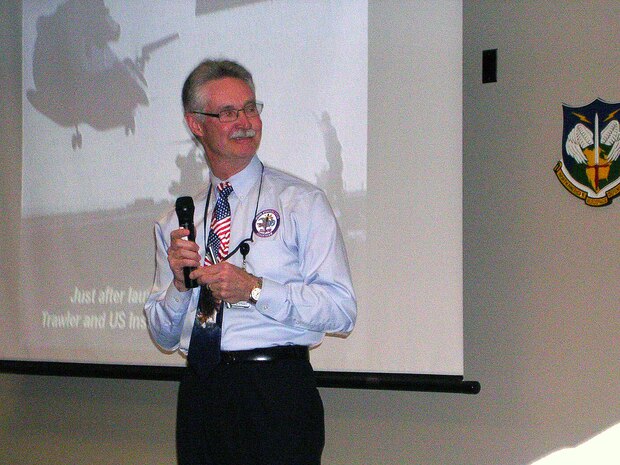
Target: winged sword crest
[(590, 165)]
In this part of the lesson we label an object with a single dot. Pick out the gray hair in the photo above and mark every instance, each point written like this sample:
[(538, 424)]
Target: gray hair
[(211, 70)]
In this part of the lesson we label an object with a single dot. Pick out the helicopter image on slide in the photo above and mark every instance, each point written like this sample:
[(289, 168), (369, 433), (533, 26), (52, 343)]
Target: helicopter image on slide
[(78, 77)]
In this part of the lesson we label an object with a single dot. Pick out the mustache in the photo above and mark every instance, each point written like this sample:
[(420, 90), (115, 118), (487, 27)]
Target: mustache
[(243, 133)]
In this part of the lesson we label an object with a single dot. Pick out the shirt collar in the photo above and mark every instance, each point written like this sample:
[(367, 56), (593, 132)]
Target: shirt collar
[(243, 181)]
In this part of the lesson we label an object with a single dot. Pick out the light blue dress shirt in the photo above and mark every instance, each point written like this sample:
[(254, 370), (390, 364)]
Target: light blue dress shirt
[(307, 290)]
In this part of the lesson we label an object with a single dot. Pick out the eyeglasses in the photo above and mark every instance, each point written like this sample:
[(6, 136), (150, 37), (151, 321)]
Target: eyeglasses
[(251, 110)]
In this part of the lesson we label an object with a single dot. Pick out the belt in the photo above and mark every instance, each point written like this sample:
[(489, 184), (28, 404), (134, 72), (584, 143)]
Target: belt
[(267, 354)]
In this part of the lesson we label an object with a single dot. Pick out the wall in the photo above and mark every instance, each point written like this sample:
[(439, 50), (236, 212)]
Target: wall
[(540, 291)]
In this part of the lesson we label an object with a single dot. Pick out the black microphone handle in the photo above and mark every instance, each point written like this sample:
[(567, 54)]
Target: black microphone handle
[(189, 283)]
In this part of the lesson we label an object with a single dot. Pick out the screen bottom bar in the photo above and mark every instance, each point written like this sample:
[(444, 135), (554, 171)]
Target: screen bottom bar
[(326, 379)]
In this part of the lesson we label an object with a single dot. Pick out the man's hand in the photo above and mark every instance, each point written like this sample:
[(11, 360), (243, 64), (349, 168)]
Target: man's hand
[(182, 253), (227, 282)]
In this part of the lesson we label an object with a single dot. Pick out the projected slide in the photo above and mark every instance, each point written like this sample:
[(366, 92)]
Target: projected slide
[(362, 98)]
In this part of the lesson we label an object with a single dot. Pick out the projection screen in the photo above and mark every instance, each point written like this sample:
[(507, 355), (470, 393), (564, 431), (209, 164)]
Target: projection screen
[(361, 100)]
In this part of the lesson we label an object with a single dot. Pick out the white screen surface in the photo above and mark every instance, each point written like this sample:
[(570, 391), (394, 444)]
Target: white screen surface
[(105, 152)]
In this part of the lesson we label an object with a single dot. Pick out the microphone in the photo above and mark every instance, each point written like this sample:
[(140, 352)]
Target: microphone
[(185, 213)]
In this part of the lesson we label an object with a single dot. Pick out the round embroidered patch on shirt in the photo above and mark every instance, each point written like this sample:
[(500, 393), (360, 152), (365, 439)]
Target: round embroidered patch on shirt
[(266, 223)]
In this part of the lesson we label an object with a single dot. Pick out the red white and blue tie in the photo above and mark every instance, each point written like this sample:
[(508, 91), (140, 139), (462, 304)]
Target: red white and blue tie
[(204, 348)]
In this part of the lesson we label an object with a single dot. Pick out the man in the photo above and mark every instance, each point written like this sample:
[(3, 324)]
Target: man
[(276, 298)]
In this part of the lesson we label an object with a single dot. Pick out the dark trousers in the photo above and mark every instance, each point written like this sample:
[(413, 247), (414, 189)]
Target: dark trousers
[(251, 413)]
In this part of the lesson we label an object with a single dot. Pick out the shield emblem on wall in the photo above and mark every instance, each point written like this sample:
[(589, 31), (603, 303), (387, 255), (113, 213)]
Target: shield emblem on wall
[(590, 165)]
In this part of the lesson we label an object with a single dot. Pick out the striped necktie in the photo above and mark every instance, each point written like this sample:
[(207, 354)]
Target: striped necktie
[(204, 349)]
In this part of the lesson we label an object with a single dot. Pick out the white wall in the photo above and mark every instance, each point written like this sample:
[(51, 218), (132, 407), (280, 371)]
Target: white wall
[(541, 287)]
